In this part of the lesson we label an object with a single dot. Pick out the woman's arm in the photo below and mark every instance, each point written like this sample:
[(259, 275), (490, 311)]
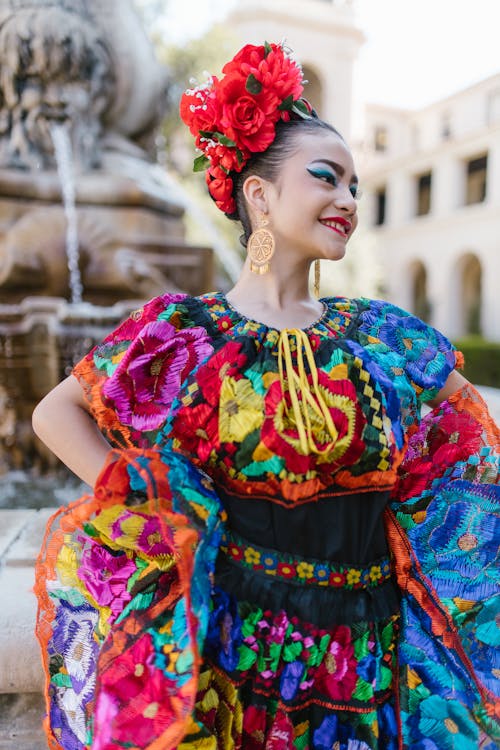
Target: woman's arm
[(63, 422), (454, 382)]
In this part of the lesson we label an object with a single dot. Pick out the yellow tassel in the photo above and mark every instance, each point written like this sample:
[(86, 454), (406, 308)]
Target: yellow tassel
[(296, 383)]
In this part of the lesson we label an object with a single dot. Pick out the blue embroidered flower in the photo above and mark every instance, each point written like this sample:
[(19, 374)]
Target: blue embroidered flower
[(269, 561), (448, 724), (463, 539), (291, 678)]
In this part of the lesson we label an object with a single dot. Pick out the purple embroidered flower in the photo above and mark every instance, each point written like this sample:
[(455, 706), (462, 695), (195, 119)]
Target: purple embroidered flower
[(105, 576), (150, 374)]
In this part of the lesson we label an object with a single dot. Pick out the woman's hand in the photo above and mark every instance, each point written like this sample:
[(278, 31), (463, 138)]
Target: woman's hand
[(63, 422)]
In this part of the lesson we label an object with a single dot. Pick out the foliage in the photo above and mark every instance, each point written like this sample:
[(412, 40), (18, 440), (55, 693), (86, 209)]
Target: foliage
[(482, 360)]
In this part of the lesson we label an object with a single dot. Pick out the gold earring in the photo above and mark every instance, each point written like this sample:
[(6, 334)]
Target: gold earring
[(260, 247), (317, 272)]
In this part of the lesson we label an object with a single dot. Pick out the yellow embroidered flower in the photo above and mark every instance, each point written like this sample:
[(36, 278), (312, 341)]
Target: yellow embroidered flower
[(353, 576), (375, 573), (305, 570), (240, 411), (252, 556)]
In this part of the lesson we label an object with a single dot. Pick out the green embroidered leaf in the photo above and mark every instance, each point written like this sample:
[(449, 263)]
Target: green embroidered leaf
[(247, 657), (184, 661), (201, 163), (267, 48), (363, 690), (292, 651), (61, 680), (385, 677), (253, 85)]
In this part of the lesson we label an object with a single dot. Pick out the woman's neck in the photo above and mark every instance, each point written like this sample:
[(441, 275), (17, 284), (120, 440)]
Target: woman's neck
[(279, 298)]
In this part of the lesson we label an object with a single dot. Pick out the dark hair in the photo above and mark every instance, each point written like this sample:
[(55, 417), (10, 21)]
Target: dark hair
[(267, 164)]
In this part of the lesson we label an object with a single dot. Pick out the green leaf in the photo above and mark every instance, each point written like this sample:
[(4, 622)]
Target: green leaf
[(286, 103), (301, 110), (253, 86), (224, 140), (207, 134), (201, 163), (301, 106), (267, 48)]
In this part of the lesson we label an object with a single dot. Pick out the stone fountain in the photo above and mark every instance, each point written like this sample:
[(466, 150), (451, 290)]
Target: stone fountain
[(89, 226)]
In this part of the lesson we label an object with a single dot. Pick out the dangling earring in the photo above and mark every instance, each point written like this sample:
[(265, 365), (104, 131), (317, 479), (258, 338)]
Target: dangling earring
[(317, 271), (260, 247)]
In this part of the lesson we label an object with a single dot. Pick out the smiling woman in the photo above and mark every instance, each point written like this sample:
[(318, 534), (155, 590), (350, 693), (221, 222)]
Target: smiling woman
[(279, 551)]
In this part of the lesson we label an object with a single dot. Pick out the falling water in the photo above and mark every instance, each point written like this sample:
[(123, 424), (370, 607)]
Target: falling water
[(65, 169)]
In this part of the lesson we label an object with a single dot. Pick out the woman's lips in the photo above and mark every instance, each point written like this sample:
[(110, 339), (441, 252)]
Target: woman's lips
[(337, 224)]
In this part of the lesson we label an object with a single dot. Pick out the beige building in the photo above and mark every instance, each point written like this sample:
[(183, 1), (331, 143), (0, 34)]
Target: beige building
[(431, 177), (432, 190), (323, 36)]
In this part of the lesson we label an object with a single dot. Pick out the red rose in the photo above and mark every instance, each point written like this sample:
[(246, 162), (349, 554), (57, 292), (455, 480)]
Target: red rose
[(274, 70), (250, 55), (221, 190), (200, 108), (223, 156), (282, 75), (246, 118)]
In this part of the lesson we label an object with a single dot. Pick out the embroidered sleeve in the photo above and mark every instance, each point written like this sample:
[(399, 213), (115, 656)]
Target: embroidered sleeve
[(424, 355), (131, 378)]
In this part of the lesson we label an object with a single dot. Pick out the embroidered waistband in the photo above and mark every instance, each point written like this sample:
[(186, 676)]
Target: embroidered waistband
[(298, 570)]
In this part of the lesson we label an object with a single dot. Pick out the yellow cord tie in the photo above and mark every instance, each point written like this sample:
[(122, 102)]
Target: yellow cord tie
[(302, 397)]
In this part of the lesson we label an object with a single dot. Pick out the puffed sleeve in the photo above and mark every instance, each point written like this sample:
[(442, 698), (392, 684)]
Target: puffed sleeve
[(132, 377), (410, 348)]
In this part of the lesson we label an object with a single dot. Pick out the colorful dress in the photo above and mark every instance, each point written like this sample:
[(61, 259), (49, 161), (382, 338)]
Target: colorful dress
[(281, 553)]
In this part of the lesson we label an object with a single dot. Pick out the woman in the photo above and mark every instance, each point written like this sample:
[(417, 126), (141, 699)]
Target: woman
[(231, 583)]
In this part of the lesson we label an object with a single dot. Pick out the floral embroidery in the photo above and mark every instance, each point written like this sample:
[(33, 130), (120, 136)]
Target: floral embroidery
[(280, 564)]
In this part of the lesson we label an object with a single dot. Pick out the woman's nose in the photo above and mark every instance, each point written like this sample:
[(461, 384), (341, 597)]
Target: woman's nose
[(345, 200)]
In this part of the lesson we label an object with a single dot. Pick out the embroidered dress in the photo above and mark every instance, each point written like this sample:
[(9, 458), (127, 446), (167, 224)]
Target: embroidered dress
[(281, 554)]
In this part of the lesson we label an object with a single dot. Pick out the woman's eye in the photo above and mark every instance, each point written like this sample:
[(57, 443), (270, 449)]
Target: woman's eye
[(356, 192), (323, 174)]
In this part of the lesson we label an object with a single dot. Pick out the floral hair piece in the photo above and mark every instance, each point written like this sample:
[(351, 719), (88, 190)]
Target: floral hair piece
[(235, 117)]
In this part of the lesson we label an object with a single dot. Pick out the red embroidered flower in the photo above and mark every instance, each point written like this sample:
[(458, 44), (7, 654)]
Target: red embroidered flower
[(336, 675), (286, 570), (254, 727), (281, 435)]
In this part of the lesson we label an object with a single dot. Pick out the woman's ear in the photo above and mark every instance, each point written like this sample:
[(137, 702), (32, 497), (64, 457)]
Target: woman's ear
[(254, 190)]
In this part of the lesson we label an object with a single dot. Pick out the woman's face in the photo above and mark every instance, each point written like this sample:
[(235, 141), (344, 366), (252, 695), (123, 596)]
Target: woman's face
[(312, 208)]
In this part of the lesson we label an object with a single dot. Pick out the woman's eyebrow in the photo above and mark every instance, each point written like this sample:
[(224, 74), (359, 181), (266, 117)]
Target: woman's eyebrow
[(337, 167)]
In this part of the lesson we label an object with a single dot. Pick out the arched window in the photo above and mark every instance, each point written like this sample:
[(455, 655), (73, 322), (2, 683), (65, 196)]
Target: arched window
[(419, 299), (313, 91), (471, 273)]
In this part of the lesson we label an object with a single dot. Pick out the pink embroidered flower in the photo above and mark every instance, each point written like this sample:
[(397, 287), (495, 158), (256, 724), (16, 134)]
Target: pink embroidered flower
[(336, 675), (150, 374), (105, 576), (142, 692)]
